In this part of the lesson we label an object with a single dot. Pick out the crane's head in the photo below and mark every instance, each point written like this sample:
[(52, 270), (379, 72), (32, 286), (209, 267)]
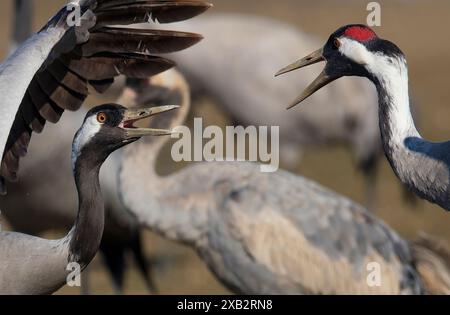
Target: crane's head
[(109, 127), (353, 50)]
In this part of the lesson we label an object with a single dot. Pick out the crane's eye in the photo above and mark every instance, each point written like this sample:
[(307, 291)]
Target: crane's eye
[(101, 118), (336, 43)]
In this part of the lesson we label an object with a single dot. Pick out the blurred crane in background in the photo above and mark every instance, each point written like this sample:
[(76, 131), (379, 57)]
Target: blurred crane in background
[(64, 75), (31, 208), (235, 64), (265, 233)]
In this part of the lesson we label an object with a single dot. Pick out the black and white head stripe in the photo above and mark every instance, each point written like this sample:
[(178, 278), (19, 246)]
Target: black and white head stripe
[(92, 126), (360, 43)]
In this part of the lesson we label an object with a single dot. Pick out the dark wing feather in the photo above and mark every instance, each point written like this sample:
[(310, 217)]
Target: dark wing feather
[(140, 41), (58, 94), (101, 86), (42, 103), (119, 13), (31, 116), (67, 78), (62, 82), (18, 141)]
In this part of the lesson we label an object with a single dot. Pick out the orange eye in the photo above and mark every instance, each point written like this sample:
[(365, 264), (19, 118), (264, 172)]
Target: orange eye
[(336, 43), (101, 118)]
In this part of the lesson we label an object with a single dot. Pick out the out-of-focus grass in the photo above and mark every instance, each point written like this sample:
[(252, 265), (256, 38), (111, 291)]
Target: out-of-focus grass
[(418, 27)]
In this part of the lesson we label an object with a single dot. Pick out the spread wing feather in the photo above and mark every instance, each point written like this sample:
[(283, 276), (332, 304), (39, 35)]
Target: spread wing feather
[(62, 82), (117, 12)]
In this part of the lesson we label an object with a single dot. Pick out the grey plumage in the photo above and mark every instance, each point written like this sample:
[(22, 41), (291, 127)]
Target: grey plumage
[(261, 233), (420, 164), (33, 207), (32, 265), (60, 52), (26, 267), (62, 61), (236, 68)]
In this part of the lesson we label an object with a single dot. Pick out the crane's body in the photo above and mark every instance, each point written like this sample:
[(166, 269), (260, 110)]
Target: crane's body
[(24, 269), (53, 70), (276, 234), (31, 208), (262, 233)]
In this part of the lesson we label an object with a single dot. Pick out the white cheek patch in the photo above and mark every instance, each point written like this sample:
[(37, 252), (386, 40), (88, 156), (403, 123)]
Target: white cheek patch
[(355, 51), (89, 129)]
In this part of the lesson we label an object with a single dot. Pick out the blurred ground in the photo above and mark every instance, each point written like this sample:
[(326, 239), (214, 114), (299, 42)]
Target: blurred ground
[(420, 28)]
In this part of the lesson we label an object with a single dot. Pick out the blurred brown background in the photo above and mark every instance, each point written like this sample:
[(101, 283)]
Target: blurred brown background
[(419, 27)]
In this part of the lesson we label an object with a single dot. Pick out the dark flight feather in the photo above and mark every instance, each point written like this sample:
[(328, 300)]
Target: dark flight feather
[(119, 13), (101, 86), (78, 61), (67, 78), (140, 41)]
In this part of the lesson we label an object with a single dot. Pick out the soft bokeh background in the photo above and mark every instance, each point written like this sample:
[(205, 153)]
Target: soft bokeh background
[(419, 27)]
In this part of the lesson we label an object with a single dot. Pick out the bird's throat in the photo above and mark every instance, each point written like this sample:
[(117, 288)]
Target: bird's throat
[(88, 229), (396, 121), (403, 145)]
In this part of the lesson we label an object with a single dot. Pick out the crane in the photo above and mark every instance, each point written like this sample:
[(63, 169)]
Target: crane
[(356, 50), (51, 71), (262, 233), (31, 207), (346, 114), (32, 265)]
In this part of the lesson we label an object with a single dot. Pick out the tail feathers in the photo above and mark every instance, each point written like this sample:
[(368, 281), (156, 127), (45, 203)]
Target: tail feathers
[(432, 259)]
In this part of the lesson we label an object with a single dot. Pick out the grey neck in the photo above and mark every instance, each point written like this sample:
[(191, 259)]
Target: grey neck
[(161, 202), (396, 121), (87, 232), (420, 164)]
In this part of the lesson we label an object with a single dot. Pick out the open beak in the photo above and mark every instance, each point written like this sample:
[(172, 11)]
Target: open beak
[(133, 115), (322, 80)]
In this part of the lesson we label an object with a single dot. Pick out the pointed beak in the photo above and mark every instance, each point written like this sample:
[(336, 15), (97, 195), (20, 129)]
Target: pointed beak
[(134, 115), (322, 80), (309, 60)]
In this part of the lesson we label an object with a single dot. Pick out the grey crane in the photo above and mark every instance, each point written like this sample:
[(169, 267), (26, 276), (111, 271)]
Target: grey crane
[(356, 50), (265, 233), (70, 58), (31, 206), (32, 265), (345, 114), (51, 71)]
